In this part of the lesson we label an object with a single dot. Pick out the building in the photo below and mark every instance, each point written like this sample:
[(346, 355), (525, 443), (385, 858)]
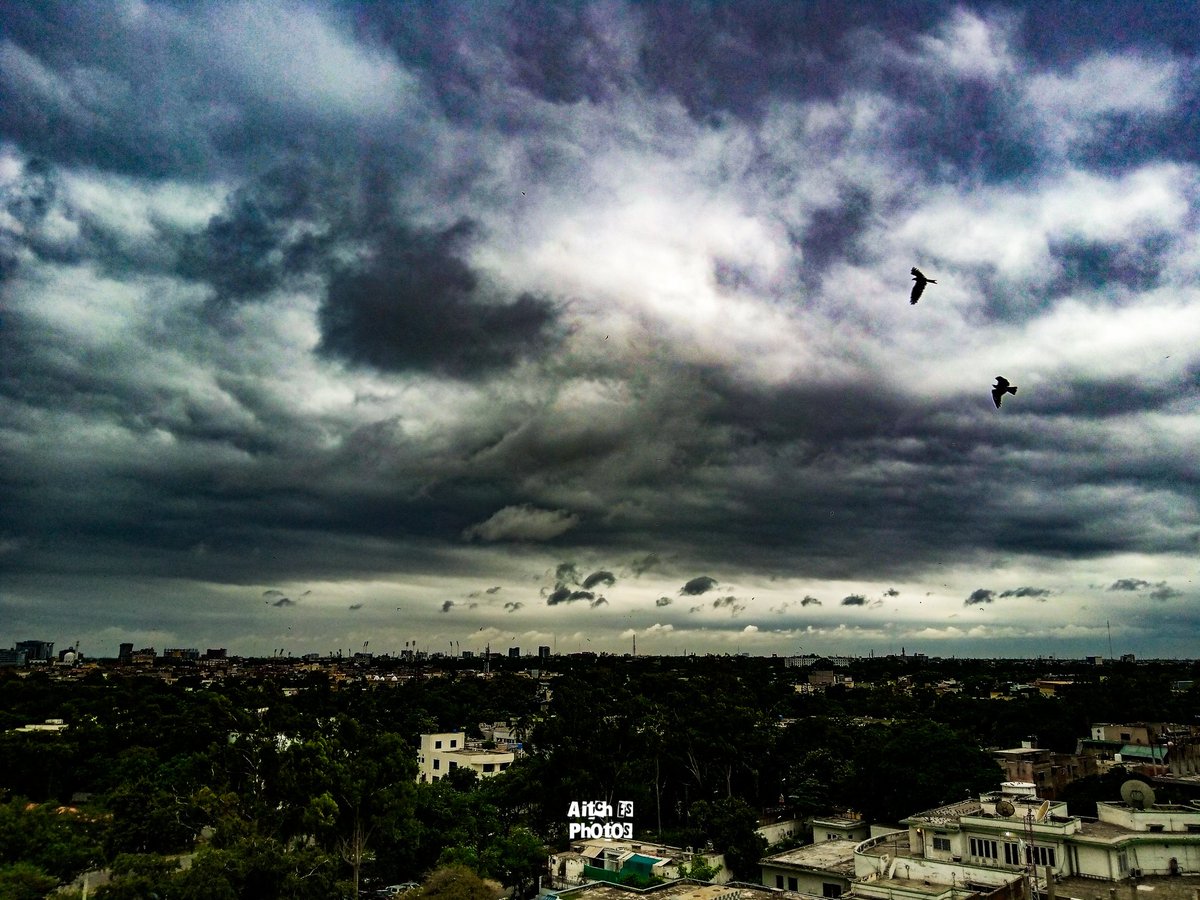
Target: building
[(823, 869), (125, 652), (441, 754), (610, 860), (683, 889), (848, 827), (991, 840), (1048, 771), (12, 657), (543, 652), (37, 651), (514, 652)]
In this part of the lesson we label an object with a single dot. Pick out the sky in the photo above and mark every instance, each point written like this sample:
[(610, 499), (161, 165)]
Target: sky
[(439, 325)]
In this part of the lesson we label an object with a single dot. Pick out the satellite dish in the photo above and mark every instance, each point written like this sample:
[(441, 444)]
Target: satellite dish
[(1005, 808), (1137, 794), (1042, 810)]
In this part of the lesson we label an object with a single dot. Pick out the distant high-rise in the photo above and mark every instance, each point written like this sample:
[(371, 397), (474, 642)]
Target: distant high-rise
[(37, 651), (543, 652), (125, 652), (514, 652)]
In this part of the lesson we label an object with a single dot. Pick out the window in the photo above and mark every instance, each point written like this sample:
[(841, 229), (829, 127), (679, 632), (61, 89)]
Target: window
[(779, 881), (437, 745), (830, 836), (1153, 827), (489, 767), (1123, 862), (1125, 736), (503, 766), (982, 848), (941, 843), (1042, 856), (453, 742), (453, 765), (830, 890), (1012, 854), (437, 764), (792, 884)]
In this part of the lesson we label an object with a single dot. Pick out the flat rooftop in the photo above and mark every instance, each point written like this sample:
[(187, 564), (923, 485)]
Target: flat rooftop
[(827, 856)]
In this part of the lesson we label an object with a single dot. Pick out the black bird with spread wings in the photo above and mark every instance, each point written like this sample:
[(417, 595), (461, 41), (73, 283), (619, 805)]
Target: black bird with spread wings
[(1001, 388), (919, 286)]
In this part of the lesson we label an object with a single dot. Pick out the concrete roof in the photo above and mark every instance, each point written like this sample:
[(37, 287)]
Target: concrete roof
[(827, 856)]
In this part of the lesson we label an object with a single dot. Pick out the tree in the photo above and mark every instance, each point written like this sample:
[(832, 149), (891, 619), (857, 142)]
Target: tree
[(25, 881), (731, 825), (516, 858), (457, 883)]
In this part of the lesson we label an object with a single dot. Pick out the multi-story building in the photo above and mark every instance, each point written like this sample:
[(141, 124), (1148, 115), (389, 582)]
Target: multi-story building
[(1004, 834), (37, 651), (440, 754)]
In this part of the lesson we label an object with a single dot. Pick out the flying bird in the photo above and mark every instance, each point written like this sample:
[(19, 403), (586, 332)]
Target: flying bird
[(919, 286), (1001, 388)]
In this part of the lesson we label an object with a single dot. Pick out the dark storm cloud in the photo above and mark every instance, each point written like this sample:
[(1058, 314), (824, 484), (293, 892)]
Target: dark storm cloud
[(601, 577), (663, 601), (599, 601), (724, 601), (493, 590), (513, 605), (566, 573), (1036, 593), (698, 585), (981, 595), (810, 601), (447, 605), (417, 306), (273, 593), (354, 607), (566, 595), (854, 600), (283, 602), (891, 592), (1129, 584)]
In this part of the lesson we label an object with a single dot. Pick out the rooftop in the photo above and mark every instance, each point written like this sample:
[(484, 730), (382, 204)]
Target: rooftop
[(828, 856)]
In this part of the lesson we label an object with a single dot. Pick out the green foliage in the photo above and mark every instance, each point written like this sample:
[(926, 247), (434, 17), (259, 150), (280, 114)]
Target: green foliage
[(60, 844), (457, 882), (730, 824), (698, 869), (25, 881)]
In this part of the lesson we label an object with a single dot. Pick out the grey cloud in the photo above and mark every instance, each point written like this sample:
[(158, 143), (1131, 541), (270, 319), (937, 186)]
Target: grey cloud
[(854, 600), (698, 585), (523, 523), (599, 601), (663, 601), (1164, 592), (810, 601), (724, 601), (1129, 584), (601, 577), (447, 605), (513, 605), (891, 592), (415, 305), (284, 602), (644, 564), (1036, 593), (354, 607), (273, 593), (493, 590), (981, 595)]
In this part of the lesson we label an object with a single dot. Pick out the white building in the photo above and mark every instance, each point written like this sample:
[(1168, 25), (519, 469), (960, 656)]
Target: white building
[(441, 754), (990, 841)]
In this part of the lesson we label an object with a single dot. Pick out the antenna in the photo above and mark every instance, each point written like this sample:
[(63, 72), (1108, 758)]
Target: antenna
[(1137, 794), (1042, 811), (1108, 625)]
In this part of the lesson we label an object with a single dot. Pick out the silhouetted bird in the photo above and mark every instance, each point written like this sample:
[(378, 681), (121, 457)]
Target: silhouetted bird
[(919, 287), (1001, 388)]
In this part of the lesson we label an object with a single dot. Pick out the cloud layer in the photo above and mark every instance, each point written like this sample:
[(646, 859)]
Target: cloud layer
[(407, 302)]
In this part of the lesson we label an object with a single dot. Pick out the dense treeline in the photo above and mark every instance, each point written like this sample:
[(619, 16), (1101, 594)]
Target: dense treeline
[(236, 789)]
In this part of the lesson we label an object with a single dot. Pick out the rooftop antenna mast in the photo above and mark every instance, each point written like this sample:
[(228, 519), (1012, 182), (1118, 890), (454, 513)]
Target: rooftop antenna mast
[(1108, 625)]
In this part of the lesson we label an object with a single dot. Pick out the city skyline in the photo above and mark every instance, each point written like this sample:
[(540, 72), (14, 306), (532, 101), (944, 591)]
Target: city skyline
[(529, 323)]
